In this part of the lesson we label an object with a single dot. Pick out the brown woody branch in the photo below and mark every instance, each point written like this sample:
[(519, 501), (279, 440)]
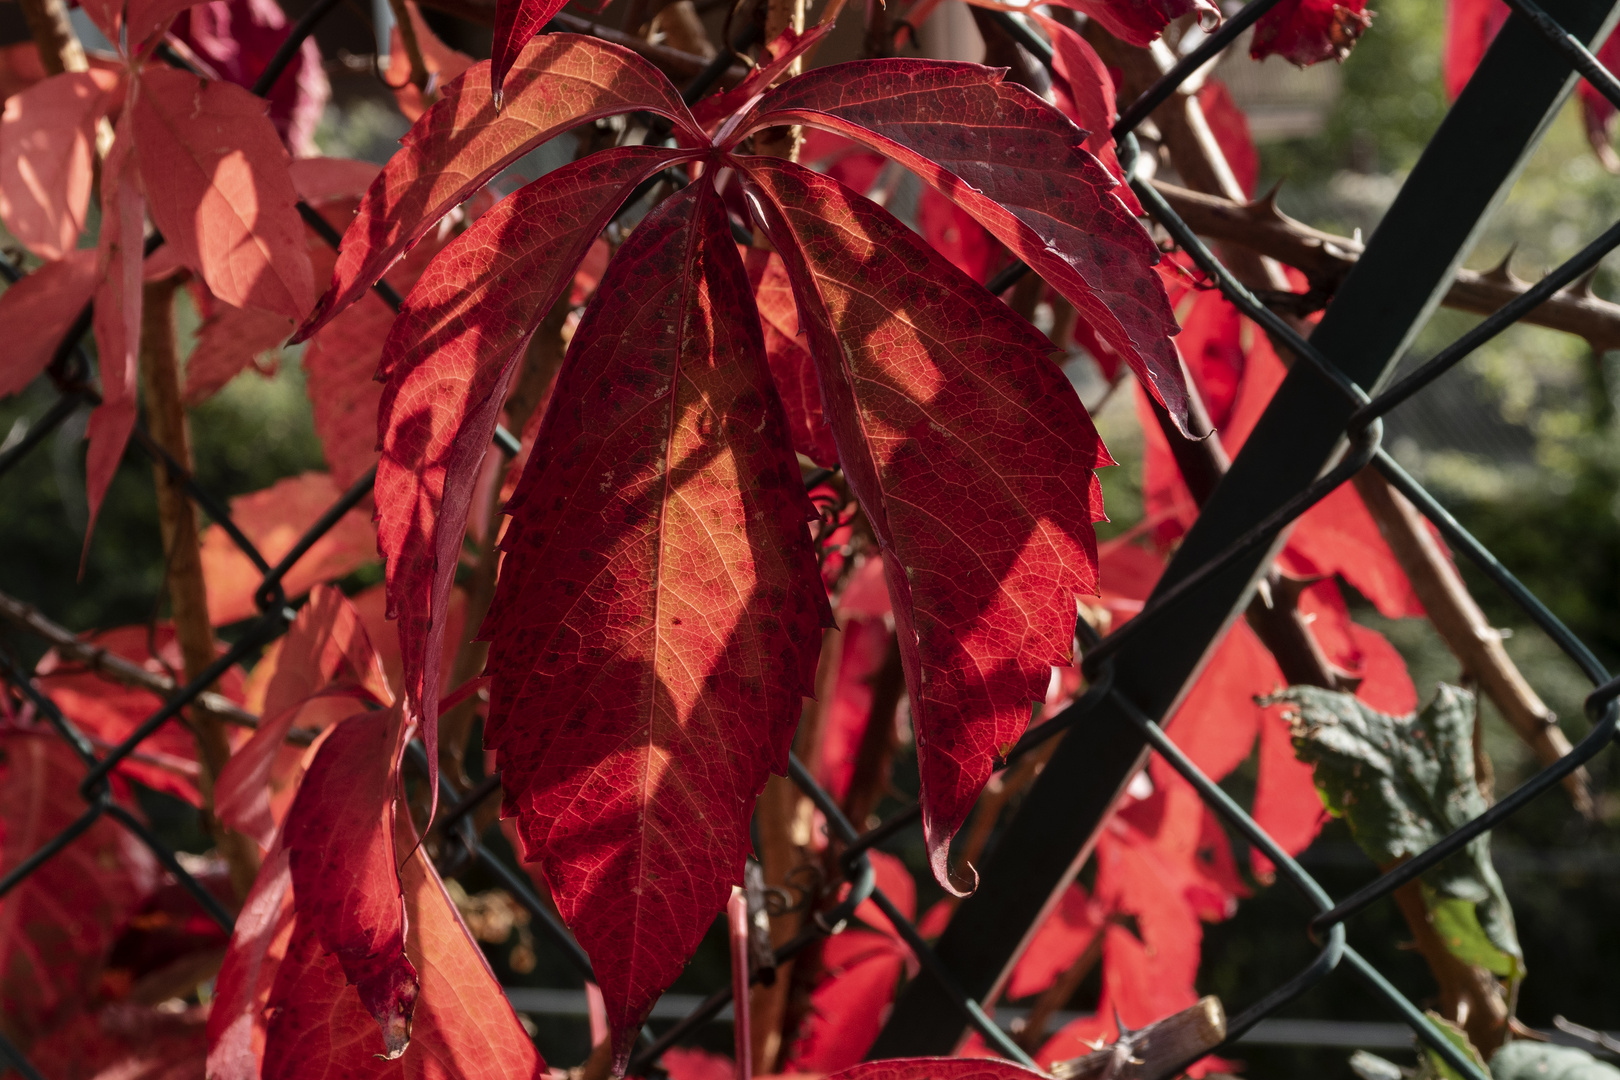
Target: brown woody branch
[(1260, 227), (673, 62), (188, 595), (1156, 1051)]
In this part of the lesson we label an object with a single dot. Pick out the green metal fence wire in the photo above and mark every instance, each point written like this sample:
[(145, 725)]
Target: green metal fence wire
[(462, 848)]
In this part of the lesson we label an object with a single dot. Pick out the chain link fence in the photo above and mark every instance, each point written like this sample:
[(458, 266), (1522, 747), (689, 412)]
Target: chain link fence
[(1182, 588)]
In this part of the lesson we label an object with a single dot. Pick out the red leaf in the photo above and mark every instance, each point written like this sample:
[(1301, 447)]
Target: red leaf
[(1471, 25), (462, 141), (229, 340), (1597, 110), (326, 643), (20, 68), (384, 633), (238, 38), (448, 360), (464, 1027), (1339, 536), (341, 849), (109, 712), (442, 62), (690, 1063), (1138, 22), (264, 929), (1063, 937), (59, 923), (1286, 804), (955, 234), (1045, 197), (340, 367), (146, 20), (1217, 723), (117, 319), (792, 368), (275, 519), (47, 141), (216, 174), (516, 21), (848, 1005), (1306, 32), (865, 645), (1385, 684), (36, 312), (325, 179), (951, 405), (935, 1069), (652, 636)]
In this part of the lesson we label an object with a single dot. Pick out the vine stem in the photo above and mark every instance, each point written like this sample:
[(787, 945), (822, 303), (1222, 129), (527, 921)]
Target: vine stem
[(188, 593)]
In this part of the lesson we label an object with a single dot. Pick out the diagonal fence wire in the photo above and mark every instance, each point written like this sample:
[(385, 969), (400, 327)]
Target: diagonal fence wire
[(1363, 447)]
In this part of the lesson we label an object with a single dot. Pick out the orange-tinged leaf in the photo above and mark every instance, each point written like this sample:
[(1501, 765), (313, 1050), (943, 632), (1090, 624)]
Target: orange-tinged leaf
[(216, 174), (443, 64), (36, 312), (660, 617), (47, 143), (324, 179), (447, 363), (786, 351), (1019, 167), (516, 21), (462, 142), (464, 1029), (58, 924), (264, 929), (942, 400), (274, 519)]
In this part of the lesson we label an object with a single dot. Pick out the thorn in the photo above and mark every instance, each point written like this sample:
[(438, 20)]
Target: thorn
[(1501, 272), (1265, 207), (1582, 286)]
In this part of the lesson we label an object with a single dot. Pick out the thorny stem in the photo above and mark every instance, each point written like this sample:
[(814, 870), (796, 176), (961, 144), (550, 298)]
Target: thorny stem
[(188, 595), (59, 48)]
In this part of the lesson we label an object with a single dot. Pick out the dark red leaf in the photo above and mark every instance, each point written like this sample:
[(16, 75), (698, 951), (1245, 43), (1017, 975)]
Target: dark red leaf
[(941, 400), (341, 849), (1085, 93), (864, 645), (1018, 166), (655, 630), (1306, 32), (447, 363), (36, 312), (128, 1041), (861, 970), (58, 924), (792, 367), (462, 141), (955, 234), (216, 174), (516, 21), (264, 928)]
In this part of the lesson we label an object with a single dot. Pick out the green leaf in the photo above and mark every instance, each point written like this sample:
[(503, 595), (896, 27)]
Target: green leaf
[(1543, 1061), (1431, 1066), (1403, 783)]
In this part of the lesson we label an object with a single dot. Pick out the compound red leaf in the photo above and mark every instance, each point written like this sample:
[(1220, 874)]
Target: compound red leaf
[(462, 141), (941, 399), (326, 644), (792, 367), (275, 519), (216, 174), (47, 137), (1139, 22), (58, 924), (117, 320), (228, 341), (340, 839), (659, 618), (1017, 165), (36, 312), (263, 931), (936, 1069), (464, 1027), (1306, 32), (447, 363)]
